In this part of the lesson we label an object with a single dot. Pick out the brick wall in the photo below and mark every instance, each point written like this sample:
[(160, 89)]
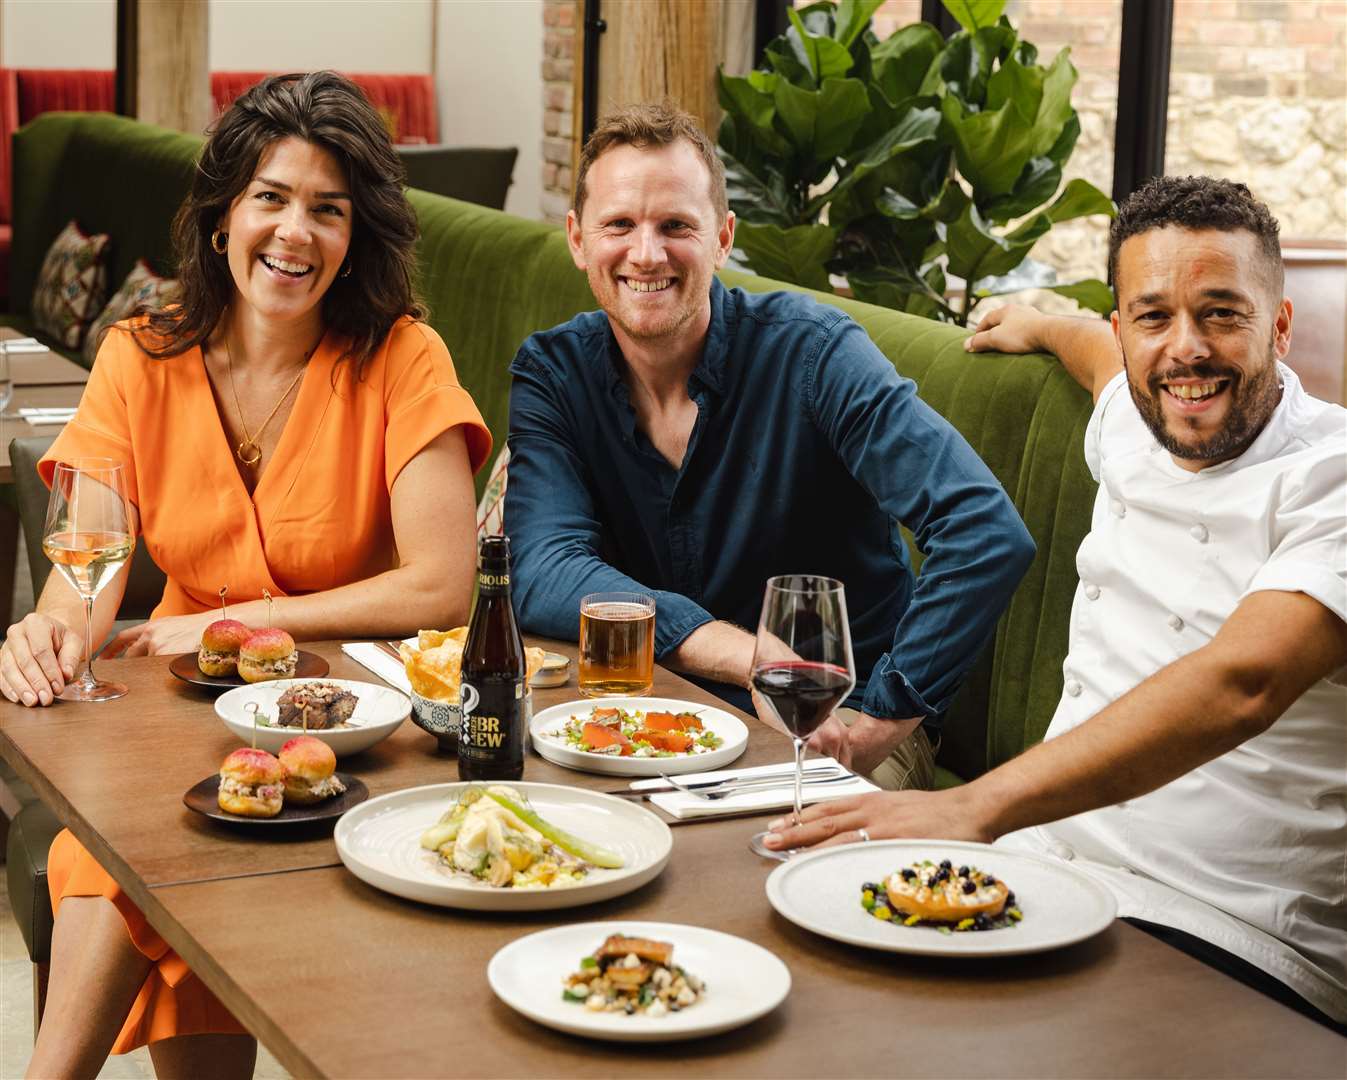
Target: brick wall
[(561, 46)]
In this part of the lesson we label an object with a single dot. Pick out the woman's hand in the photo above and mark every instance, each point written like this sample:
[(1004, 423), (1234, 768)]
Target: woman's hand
[(38, 658), (171, 634), (884, 815)]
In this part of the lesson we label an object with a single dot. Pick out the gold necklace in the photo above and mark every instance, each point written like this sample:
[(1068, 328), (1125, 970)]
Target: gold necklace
[(248, 451)]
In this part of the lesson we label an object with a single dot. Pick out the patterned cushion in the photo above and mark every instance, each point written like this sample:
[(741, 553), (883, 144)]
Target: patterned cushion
[(491, 510), (72, 285), (143, 290)]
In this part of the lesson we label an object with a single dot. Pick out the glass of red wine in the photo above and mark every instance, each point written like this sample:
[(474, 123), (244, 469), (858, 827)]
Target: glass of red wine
[(802, 663)]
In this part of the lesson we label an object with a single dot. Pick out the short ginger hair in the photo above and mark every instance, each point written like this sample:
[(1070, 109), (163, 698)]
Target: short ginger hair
[(649, 126)]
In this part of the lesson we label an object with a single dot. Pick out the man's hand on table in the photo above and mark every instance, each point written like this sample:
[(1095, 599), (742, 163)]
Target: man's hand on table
[(864, 745), (39, 655), (885, 815)]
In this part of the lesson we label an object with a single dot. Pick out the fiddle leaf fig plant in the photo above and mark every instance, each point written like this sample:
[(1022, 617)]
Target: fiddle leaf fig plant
[(899, 164)]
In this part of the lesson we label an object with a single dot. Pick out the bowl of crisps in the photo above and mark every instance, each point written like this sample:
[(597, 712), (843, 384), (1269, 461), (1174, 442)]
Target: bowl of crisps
[(434, 661)]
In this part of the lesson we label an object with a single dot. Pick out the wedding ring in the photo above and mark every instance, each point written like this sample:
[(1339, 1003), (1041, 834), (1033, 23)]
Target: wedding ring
[(865, 836)]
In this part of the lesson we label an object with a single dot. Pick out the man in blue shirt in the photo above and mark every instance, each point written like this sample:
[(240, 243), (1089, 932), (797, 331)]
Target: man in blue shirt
[(691, 441)]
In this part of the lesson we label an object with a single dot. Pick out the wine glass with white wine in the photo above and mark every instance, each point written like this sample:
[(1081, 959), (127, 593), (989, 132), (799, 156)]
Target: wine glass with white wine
[(89, 538)]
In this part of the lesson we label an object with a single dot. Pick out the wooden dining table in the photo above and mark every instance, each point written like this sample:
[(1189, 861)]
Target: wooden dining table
[(339, 979)]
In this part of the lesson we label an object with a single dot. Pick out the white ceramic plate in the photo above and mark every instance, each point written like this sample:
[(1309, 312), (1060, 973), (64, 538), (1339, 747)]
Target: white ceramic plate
[(822, 892), (379, 841), (743, 981), (552, 746), (379, 710)]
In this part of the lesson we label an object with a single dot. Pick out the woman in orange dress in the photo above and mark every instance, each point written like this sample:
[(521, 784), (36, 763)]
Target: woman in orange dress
[(291, 427)]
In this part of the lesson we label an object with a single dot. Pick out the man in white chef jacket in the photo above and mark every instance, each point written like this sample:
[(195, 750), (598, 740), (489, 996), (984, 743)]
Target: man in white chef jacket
[(1197, 761)]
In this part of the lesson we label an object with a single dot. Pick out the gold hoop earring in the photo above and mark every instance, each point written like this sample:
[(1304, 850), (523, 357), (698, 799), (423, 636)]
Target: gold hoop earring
[(219, 241), (346, 270)]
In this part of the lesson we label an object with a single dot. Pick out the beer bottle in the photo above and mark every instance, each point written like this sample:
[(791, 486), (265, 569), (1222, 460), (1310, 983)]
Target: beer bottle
[(493, 727)]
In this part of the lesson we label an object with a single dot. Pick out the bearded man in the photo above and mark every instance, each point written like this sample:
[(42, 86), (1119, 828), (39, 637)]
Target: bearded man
[(1197, 761)]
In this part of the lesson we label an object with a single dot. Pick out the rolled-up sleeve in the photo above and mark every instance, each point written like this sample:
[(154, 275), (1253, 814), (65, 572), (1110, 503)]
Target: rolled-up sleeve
[(554, 532), (923, 473)]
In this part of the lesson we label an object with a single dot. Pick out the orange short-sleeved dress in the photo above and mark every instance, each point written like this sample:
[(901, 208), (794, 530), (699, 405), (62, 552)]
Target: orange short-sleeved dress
[(319, 518)]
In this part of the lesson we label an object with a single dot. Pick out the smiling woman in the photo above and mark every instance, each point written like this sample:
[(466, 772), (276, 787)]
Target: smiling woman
[(297, 390)]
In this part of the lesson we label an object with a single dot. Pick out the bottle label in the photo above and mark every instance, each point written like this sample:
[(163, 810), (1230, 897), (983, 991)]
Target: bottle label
[(492, 726), (495, 582)]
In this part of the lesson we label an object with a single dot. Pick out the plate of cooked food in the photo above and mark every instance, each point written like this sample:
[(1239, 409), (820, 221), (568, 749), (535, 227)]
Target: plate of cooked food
[(299, 784), (638, 736), (503, 847), (349, 716), (232, 654), (940, 898), (638, 981)]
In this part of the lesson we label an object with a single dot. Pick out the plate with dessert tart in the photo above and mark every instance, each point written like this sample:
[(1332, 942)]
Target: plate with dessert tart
[(940, 898), (347, 715), (300, 784)]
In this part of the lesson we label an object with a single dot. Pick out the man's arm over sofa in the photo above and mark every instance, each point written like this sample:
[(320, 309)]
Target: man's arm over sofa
[(1086, 347), (922, 472)]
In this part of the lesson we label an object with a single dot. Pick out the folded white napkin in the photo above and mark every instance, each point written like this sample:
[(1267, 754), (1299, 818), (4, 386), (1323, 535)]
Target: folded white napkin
[(369, 655), (681, 806)]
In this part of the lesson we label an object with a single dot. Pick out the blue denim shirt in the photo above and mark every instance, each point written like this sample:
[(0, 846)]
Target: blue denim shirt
[(807, 452)]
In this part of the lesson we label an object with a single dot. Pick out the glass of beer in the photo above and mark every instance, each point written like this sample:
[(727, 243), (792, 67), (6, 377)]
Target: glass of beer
[(617, 644)]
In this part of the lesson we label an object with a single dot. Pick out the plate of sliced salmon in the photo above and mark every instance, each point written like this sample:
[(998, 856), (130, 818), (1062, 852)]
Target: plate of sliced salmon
[(638, 736)]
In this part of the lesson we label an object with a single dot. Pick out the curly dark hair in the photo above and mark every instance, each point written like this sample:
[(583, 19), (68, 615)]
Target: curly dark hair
[(1195, 202), (330, 111)]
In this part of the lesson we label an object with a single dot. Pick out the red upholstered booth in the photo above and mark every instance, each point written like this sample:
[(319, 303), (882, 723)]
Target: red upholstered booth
[(406, 102)]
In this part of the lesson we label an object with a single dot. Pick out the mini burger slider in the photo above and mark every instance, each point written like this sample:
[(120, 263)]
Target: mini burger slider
[(252, 783), (309, 764), (267, 654), (219, 652)]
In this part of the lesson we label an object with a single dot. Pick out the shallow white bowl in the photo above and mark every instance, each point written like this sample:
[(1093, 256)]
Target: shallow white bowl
[(821, 891), (556, 750), (743, 981), (380, 842), (379, 710)]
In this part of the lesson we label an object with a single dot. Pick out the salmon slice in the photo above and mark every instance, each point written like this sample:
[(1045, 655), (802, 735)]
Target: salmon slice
[(607, 717), (663, 721), (600, 736), (617, 947), (676, 741)]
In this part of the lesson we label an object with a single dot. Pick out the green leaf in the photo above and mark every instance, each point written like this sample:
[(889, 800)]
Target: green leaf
[(751, 104), (1054, 109), (1066, 141), (920, 124), (968, 61), (1090, 293), (784, 62), (752, 198), (992, 148), (825, 57), (821, 123), (794, 255), (1080, 199), (1036, 185), (976, 252), (852, 17), (1021, 86), (972, 14), (902, 60)]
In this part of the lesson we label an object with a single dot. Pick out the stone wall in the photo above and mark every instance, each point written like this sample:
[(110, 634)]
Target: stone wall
[(1258, 93), (562, 44)]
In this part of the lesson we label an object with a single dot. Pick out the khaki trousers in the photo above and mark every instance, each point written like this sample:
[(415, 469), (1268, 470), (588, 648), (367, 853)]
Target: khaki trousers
[(911, 765)]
